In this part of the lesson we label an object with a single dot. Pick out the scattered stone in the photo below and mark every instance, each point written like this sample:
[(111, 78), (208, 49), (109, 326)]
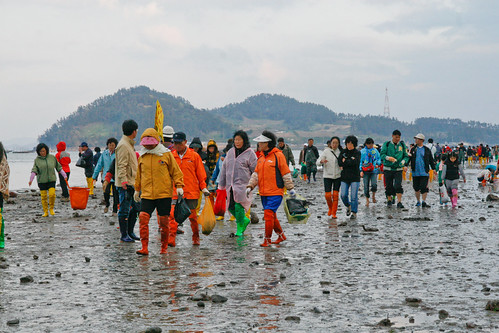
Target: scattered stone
[(411, 320), (368, 229), (13, 322), (316, 310), (492, 305), (27, 279), (183, 309), (319, 216), (218, 299), (87, 259), (342, 224), (293, 318), (202, 296), (4, 266), (160, 304), (442, 314), (154, 330), (254, 217), (481, 218), (201, 304), (471, 220), (492, 197), (413, 300), (326, 292), (76, 214), (12, 194), (485, 289), (34, 220), (282, 276), (390, 217), (470, 325), (58, 274), (221, 284), (385, 323)]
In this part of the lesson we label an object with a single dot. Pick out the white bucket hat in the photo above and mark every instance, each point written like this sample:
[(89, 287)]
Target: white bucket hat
[(419, 136), (262, 138)]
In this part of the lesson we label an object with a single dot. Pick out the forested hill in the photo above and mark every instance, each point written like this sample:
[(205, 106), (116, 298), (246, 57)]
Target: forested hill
[(292, 119), (101, 119)]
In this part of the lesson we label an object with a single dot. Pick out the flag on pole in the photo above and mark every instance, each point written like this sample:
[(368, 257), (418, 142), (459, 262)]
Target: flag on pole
[(158, 120)]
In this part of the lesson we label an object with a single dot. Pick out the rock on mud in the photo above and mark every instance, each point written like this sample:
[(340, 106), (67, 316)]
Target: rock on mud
[(154, 330), (492, 305), (413, 300), (254, 217), (442, 314), (27, 279), (385, 323), (293, 318), (218, 299), (13, 322)]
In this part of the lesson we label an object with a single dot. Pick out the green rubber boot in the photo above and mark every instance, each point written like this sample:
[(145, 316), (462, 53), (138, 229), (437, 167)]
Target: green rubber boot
[(2, 241), (242, 220)]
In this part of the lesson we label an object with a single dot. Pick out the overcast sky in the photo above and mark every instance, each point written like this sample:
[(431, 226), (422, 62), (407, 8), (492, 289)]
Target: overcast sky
[(437, 58)]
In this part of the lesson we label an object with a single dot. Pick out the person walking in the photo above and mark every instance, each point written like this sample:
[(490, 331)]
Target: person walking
[(369, 168), (237, 168), (64, 159), (286, 150), (157, 171), (395, 158), (451, 171), (422, 164), (271, 175), (350, 176), (43, 168), (332, 175), (103, 164), (88, 157), (192, 167), (311, 156), (126, 171), (4, 191)]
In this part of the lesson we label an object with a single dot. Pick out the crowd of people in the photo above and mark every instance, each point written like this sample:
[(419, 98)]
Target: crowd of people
[(166, 172)]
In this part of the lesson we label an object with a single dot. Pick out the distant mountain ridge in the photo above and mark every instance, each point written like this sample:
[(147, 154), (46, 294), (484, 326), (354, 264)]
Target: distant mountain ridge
[(292, 119)]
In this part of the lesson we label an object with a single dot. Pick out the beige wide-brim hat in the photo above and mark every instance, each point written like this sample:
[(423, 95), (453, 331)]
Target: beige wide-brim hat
[(262, 138), (419, 136)]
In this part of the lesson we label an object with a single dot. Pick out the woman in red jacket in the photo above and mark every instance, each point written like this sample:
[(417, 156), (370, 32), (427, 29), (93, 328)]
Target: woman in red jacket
[(271, 175), (64, 159)]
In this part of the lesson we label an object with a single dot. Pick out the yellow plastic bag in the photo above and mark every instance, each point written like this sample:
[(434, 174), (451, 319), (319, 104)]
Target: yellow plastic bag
[(207, 219)]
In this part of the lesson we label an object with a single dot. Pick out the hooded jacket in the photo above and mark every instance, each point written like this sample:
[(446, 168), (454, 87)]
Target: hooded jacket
[(288, 154), (398, 151), (157, 171), (63, 157), (235, 175), (104, 162), (212, 158), (194, 174), (196, 143)]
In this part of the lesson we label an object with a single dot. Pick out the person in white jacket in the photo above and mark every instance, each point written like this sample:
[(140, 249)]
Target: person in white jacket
[(331, 175)]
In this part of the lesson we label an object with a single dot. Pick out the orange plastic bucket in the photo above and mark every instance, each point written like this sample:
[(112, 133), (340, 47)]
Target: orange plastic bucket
[(79, 197)]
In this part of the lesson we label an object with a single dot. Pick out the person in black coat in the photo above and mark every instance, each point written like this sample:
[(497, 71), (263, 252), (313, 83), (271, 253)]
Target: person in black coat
[(349, 161)]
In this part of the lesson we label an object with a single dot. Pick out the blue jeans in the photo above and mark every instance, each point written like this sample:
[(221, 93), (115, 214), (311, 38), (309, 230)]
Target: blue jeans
[(370, 177), (354, 196), (127, 205)]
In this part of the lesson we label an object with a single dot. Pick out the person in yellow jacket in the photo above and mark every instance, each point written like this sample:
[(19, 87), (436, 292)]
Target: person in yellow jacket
[(156, 173)]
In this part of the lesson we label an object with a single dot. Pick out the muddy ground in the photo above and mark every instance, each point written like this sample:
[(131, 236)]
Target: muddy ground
[(327, 277)]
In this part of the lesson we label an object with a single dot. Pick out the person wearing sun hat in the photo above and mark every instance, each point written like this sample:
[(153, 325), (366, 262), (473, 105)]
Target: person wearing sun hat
[(271, 175), (422, 164), (157, 171)]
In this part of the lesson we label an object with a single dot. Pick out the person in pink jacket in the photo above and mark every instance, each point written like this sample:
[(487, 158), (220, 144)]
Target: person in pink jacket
[(237, 168)]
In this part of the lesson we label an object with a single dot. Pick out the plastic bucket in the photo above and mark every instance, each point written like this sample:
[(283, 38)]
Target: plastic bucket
[(79, 197)]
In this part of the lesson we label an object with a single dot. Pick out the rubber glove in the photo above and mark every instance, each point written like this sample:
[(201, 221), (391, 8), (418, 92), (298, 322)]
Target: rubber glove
[(180, 191), (205, 192), (292, 193), (248, 191), (136, 196)]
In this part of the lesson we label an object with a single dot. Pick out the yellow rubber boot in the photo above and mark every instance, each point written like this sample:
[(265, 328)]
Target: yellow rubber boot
[(51, 200), (90, 184), (45, 205)]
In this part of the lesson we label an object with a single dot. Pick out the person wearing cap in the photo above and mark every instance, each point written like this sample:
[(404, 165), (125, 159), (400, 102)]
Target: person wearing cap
[(395, 158), (157, 171), (271, 175), (422, 164), (43, 169), (103, 164), (288, 153), (125, 173), (88, 157), (235, 174), (168, 137), (369, 168), (192, 167)]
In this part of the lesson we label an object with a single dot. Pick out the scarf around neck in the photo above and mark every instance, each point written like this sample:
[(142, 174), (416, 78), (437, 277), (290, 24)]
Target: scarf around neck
[(159, 150)]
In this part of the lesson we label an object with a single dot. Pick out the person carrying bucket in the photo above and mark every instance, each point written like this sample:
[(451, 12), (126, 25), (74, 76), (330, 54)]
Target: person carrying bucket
[(271, 175), (43, 169), (156, 173)]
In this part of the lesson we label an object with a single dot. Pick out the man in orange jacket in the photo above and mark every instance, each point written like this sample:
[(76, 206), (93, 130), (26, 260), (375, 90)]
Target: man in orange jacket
[(192, 167)]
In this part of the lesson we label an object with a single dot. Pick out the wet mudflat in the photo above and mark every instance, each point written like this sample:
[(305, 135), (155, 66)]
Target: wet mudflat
[(426, 270)]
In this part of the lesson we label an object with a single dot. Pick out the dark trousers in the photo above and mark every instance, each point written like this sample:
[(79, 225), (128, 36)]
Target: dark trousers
[(64, 186), (393, 181), (116, 197)]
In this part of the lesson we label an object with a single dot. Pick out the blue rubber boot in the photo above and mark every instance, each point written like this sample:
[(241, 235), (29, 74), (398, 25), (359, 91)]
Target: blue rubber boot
[(124, 230)]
